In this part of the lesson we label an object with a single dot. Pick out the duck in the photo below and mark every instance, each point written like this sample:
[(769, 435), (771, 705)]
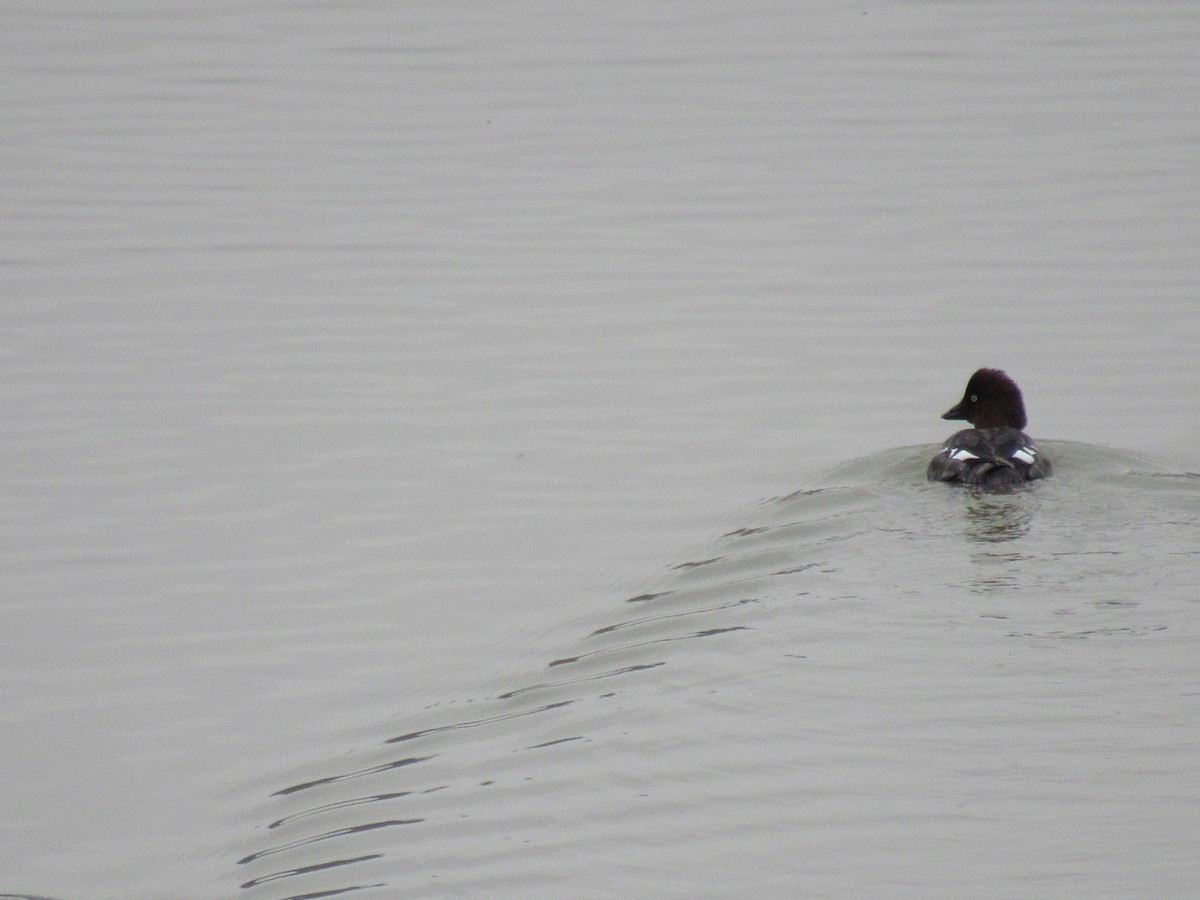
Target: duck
[(996, 454)]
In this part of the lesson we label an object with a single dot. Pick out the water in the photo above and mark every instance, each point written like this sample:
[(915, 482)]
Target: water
[(368, 371), (778, 718)]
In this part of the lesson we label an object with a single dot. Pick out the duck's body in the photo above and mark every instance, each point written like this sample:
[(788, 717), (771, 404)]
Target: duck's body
[(996, 454), (989, 457)]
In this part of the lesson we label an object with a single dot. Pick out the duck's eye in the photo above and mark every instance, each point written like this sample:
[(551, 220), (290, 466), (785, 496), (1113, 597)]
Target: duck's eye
[(974, 398)]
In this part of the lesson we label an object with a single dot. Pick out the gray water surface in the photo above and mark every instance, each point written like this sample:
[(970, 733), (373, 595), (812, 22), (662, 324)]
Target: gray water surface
[(368, 369), (796, 712)]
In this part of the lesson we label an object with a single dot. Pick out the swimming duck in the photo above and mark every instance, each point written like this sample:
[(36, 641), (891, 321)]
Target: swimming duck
[(996, 454)]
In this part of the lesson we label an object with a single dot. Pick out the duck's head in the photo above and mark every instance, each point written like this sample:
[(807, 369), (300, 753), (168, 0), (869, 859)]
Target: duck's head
[(991, 400)]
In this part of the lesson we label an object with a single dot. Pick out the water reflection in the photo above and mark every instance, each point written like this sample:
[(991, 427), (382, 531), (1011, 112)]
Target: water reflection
[(995, 519), (998, 518)]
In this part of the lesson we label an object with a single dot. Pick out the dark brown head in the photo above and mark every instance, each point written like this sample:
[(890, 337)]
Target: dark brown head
[(992, 400)]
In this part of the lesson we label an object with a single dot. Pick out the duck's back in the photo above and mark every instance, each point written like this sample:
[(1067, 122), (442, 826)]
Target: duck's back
[(989, 457)]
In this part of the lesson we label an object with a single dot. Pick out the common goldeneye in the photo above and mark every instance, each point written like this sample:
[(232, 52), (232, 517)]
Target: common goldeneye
[(995, 454)]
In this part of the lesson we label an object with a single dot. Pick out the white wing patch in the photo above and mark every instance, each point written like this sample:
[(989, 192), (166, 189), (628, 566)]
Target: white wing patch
[(961, 454), (1026, 455)]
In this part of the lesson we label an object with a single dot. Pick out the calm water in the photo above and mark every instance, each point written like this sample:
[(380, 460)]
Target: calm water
[(478, 451)]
